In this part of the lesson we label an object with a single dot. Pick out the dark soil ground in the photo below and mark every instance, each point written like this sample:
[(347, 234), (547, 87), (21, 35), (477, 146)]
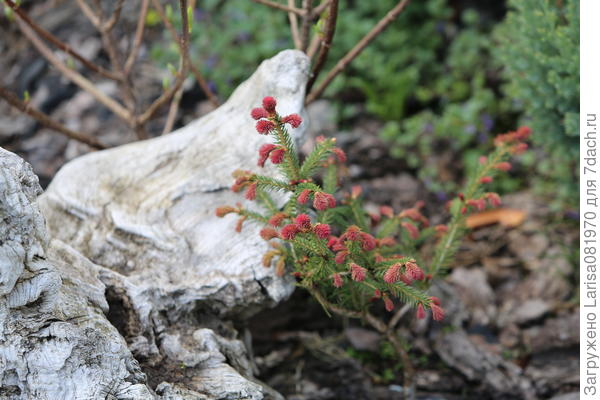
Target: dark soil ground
[(511, 297)]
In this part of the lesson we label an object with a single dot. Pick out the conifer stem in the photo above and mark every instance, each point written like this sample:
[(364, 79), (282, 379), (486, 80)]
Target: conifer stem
[(290, 153), (381, 327)]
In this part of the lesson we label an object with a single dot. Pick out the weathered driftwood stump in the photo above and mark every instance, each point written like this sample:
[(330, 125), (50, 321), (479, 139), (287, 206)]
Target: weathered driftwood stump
[(55, 341), (139, 266)]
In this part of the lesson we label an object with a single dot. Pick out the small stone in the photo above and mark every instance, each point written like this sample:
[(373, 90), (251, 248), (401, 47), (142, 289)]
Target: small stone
[(476, 293), (363, 339), (530, 310)]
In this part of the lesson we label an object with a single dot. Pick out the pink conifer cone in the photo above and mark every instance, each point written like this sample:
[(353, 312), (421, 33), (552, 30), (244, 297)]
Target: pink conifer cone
[(437, 312), (289, 232), (392, 274), (323, 201), (276, 219), (264, 152), (303, 221), (322, 231), (277, 155), (259, 113), (338, 281), (420, 311), (269, 104), (340, 257), (264, 126), (389, 304), (358, 273), (304, 196), (367, 241), (251, 192), (293, 119)]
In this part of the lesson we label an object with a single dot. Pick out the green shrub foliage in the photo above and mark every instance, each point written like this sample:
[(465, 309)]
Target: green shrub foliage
[(538, 47)]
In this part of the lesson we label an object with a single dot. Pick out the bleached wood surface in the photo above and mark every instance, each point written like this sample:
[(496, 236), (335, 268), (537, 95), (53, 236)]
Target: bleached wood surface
[(55, 342)]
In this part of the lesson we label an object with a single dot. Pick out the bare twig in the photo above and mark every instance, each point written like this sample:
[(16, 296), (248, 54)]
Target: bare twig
[(172, 114), (325, 44), (137, 41), (381, 327), (105, 27), (294, 25), (109, 24), (45, 120), (73, 75), (195, 71), (408, 371), (358, 48), (89, 13), (279, 6), (184, 65), (320, 8), (117, 59), (204, 85), (313, 46), (306, 23), (398, 315), (58, 43)]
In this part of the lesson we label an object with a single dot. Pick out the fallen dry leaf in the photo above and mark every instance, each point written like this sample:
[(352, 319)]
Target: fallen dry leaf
[(504, 216)]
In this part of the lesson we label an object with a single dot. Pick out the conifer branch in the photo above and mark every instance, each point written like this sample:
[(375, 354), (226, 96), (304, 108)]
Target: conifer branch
[(331, 249)]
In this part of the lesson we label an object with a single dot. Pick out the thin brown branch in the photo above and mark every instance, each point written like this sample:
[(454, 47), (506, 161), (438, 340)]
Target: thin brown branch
[(58, 43), (116, 59), (279, 6), (114, 18), (73, 75), (204, 85), (358, 48), (105, 27), (45, 120), (162, 100), (370, 318), (408, 371), (89, 13), (183, 60), (313, 46), (381, 327), (195, 71), (306, 23), (398, 315), (294, 25), (184, 41), (325, 44), (137, 41), (320, 8), (108, 43), (172, 114)]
